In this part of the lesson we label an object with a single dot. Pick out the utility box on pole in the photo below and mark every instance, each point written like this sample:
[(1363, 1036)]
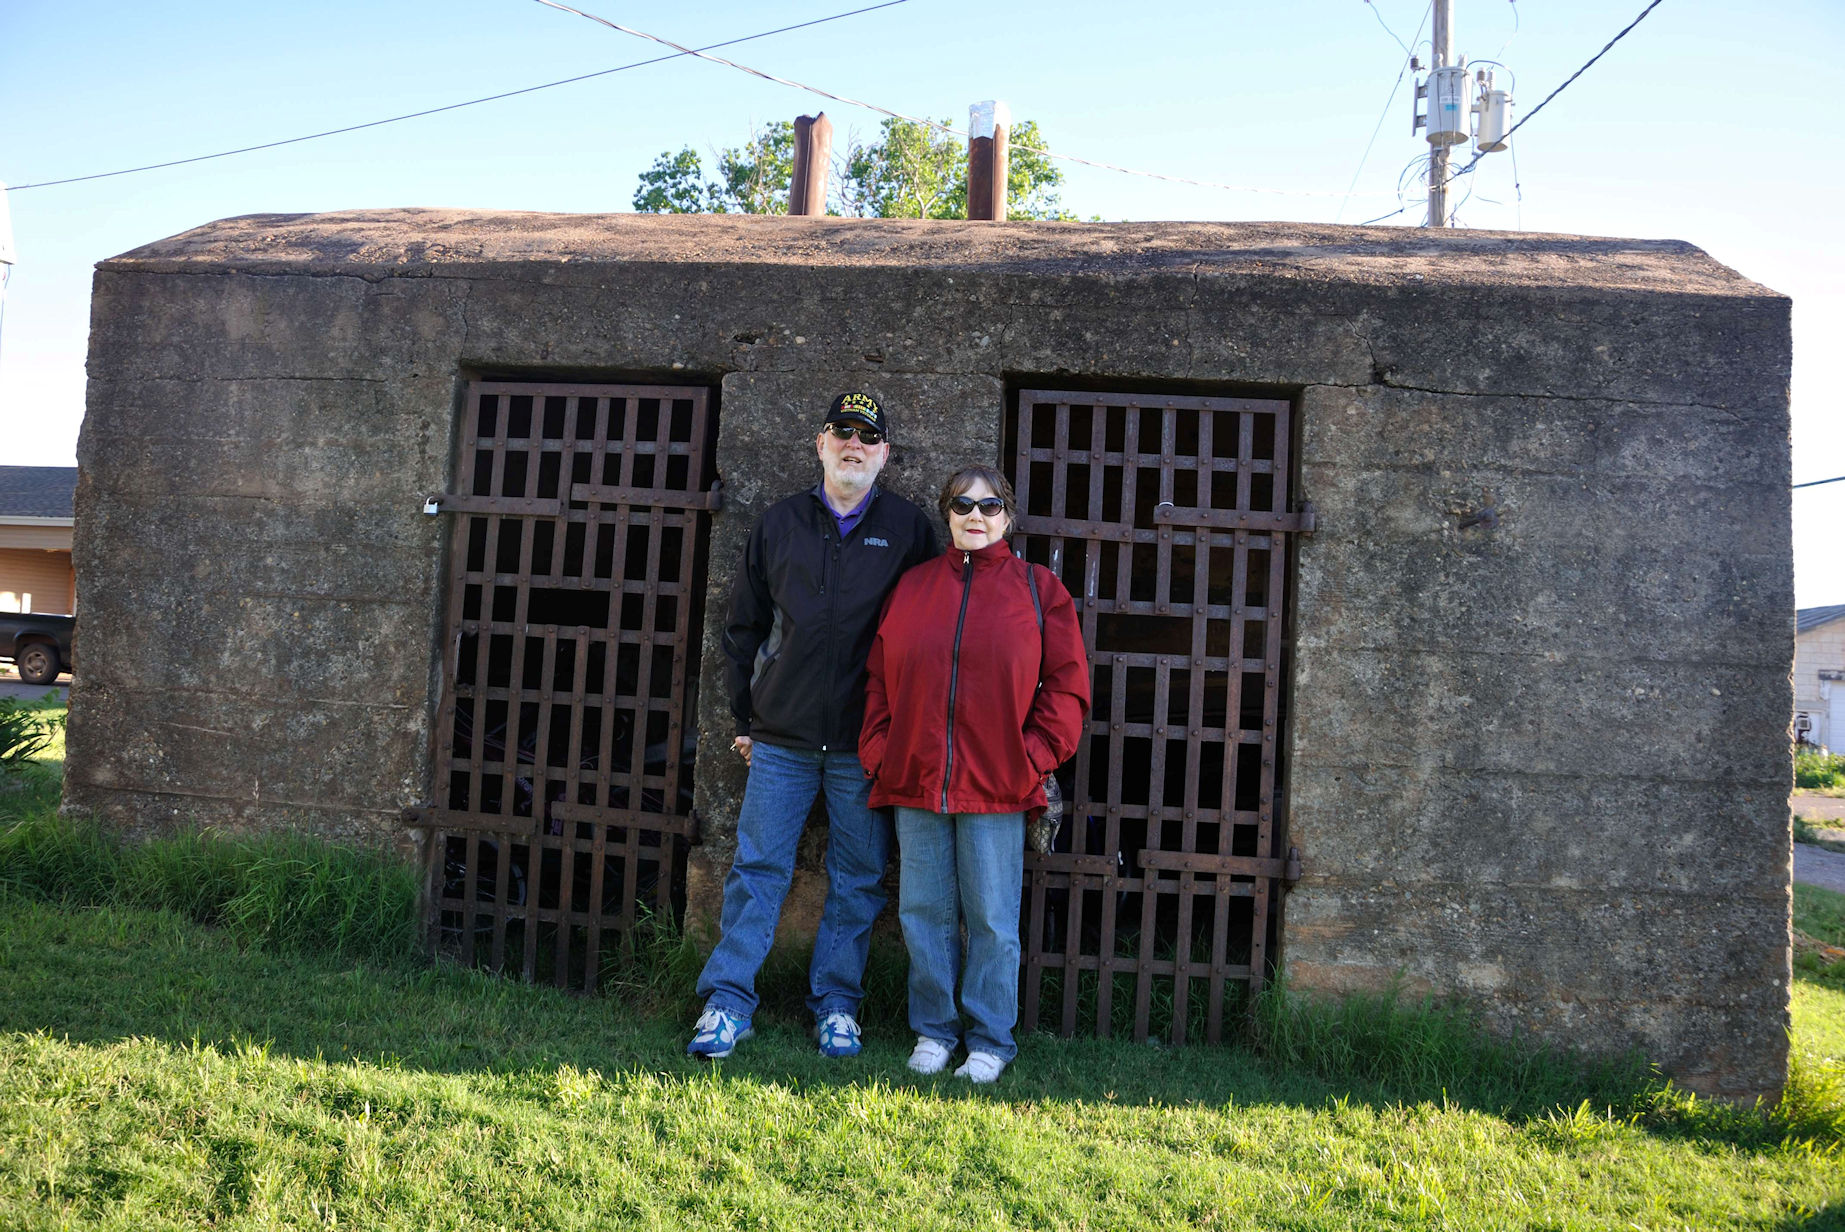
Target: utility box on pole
[(1449, 106)]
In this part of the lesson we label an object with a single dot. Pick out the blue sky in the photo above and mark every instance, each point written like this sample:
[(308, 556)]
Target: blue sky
[(1703, 124)]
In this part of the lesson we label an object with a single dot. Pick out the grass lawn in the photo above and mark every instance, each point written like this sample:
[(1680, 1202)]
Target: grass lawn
[(156, 1072)]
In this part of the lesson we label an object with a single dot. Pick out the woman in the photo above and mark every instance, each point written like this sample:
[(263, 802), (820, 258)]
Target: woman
[(971, 700)]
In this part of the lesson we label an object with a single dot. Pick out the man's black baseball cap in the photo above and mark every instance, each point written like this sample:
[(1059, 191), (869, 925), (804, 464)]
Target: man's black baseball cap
[(860, 408)]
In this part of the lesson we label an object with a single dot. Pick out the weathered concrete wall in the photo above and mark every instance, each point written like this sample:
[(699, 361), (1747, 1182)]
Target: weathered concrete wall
[(1537, 761)]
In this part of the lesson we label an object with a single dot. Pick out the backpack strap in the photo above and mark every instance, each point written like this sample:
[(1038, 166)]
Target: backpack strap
[(1037, 605)]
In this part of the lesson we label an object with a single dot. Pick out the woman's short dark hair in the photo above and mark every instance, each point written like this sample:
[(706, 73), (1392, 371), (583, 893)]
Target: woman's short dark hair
[(966, 478)]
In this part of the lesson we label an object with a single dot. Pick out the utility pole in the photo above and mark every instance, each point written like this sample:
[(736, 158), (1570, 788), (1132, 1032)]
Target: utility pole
[(813, 153), (1452, 107), (1442, 37)]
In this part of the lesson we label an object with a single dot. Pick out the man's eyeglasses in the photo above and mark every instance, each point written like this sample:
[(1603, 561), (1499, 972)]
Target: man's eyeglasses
[(846, 431), (991, 506)]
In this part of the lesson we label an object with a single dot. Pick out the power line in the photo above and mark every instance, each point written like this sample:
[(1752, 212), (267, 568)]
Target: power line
[(1390, 102), (491, 98), (1529, 115), (937, 125), (1814, 483), (1407, 53)]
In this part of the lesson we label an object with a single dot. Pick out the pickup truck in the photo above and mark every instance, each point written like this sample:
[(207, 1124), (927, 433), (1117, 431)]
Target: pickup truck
[(39, 645)]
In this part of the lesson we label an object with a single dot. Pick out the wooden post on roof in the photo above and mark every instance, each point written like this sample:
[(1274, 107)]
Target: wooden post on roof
[(813, 153), (988, 160)]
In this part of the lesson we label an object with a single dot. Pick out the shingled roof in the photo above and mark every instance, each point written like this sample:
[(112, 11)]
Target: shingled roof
[(38, 491), (1813, 617)]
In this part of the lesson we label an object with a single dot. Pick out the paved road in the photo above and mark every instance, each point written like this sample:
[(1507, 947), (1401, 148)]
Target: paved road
[(1818, 809), (1817, 866), (12, 686)]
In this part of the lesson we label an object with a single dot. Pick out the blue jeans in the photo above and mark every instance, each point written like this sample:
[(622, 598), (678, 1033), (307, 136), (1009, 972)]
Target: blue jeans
[(966, 866), (782, 785)]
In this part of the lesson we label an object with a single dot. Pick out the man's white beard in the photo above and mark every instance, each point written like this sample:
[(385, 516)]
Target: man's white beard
[(854, 479)]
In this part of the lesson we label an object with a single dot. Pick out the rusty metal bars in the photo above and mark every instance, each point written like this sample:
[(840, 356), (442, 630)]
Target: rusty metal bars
[(1166, 517), (561, 766)]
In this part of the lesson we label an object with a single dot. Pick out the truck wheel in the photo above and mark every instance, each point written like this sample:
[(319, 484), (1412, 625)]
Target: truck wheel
[(37, 663)]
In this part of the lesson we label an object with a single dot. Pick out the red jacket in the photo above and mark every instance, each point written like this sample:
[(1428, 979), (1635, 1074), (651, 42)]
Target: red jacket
[(955, 720)]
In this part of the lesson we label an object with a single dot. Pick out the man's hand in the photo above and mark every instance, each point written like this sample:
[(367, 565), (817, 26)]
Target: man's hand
[(742, 746)]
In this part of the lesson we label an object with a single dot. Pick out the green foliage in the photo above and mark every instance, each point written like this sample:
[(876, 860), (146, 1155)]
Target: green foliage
[(757, 176), (28, 729), (1032, 178), (286, 892), (753, 178), (1814, 770), (676, 184), (912, 170)]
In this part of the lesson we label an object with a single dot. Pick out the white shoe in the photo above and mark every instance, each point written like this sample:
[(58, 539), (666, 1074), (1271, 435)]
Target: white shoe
[(930, 1056), (980, 1067)]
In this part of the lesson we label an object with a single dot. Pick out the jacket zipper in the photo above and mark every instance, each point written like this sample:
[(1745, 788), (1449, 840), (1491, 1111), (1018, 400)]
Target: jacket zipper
[(829, 578), (954, 672)]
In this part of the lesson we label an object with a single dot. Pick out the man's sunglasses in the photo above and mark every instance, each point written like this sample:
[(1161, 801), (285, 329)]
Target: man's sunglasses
[(991, 506), (846, 431)]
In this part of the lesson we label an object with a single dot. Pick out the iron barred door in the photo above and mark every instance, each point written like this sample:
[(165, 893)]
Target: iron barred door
[(563, 752), (1166, 517)]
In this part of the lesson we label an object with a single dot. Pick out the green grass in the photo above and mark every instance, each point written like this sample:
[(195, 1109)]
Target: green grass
[(167, 1062), (31, 732), (1820, 913), (154, 1072), (289, 891)]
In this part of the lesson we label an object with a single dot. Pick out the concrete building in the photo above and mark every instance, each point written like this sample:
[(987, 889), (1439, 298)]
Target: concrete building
[(1454, 565)]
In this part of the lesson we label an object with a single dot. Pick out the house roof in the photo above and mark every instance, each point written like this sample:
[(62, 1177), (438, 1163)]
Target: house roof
[(1813, 617), (38, 491)]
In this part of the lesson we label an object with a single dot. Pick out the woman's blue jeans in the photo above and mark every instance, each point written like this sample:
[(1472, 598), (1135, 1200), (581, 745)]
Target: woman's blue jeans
[(965, 866), (782, 785)]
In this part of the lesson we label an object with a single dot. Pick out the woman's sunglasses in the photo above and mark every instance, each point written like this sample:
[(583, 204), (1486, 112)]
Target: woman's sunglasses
[(991, 506), (846, 431)]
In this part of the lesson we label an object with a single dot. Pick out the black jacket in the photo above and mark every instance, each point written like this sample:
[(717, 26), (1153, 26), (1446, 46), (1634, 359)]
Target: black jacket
[(804, 611)]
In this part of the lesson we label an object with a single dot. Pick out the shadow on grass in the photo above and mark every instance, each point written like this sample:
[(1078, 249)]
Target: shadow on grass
[(300, 946), (102, 975)]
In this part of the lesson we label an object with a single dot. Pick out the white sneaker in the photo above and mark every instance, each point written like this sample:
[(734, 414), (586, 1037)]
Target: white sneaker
[(930, 1056), (980, 1067)]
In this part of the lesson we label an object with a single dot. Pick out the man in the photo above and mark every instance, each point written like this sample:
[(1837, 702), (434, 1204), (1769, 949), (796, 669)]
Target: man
[(815, 575)]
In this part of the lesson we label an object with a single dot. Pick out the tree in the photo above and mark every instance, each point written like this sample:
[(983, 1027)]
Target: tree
[(913, 170), (757, 176), (1032, 178), (675, 184), (752, 178)]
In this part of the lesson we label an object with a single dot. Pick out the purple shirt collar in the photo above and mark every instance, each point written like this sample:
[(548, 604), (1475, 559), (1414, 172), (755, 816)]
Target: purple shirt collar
[(849, 519)]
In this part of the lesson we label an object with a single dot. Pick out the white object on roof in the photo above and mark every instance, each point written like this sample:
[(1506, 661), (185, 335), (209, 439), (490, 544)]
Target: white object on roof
[(983, 118)]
